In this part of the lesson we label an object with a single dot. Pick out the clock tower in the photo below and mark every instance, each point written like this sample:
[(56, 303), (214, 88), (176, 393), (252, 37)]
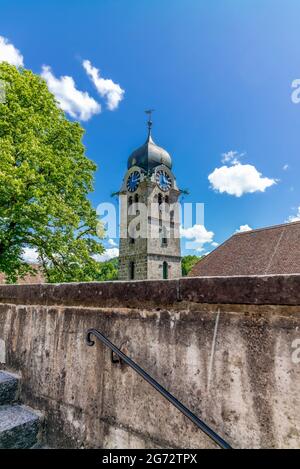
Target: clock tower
[(149, 215)]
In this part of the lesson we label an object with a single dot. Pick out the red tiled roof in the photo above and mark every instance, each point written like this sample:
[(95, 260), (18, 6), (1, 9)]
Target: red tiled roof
[(272, 250)]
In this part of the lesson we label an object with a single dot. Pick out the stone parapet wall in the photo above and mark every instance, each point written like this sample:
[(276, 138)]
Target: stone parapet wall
[(226, 347), (255, 290)]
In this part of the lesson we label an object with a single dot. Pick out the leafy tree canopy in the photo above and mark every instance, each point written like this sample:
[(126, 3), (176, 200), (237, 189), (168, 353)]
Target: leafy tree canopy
[(45, 179), (187, 263), (109, 270)]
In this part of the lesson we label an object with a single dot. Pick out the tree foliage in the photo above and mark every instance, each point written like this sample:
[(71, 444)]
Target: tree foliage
[(188, 262), (109, 270), (45, 179)]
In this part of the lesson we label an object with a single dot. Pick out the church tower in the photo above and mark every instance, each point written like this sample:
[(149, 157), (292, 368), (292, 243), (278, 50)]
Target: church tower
[(149, 215)]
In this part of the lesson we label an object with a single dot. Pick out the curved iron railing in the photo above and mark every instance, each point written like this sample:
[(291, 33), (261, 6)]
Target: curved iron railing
[(200, 424)]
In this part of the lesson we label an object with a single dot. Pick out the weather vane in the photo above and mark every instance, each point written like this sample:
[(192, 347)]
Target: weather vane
[(149, 112)]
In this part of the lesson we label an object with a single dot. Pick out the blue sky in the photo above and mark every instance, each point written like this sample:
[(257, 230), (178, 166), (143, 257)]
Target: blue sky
[(218, 73)]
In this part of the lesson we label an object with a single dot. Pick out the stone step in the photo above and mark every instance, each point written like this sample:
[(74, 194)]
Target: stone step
[(8, 387), (19, 426)]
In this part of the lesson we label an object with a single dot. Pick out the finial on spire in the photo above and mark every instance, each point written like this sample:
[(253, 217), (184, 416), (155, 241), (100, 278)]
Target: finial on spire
[(149, 122)]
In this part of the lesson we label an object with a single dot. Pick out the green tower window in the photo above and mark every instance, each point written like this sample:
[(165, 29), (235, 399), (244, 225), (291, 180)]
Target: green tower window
[(165, 270)]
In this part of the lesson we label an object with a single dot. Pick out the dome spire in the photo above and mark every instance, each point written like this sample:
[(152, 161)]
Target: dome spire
[(149, 155), (149, 123)]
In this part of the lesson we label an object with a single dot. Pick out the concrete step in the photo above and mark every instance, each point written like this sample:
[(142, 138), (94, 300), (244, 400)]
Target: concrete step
[(8, 387), (19, 426)]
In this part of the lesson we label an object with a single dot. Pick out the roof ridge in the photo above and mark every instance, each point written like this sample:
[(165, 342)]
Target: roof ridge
[(267, 228)]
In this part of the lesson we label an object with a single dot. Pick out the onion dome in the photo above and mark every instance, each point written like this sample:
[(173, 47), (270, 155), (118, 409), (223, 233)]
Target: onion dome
[(149, 155)]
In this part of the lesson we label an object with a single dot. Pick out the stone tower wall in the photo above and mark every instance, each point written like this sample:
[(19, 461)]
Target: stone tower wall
[(149, 253)]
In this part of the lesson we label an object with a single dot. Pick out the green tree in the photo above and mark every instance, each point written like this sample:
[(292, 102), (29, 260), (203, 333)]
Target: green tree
[(109, 270), (45, 179), (188, 262)]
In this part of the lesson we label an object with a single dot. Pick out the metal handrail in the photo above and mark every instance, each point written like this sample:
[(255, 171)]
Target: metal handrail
[(200, 424)]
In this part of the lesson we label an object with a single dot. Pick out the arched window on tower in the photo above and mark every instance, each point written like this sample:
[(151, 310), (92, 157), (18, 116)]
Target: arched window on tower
[(164, 239), (131, 270), (164, 242), (136, 206), (130, 201), (167, 199), (159, 201), (165, 270), (172, 218)]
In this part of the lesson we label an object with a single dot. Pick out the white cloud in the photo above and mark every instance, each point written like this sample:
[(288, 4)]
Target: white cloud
[(109, 90), (111, 242), (244, 228), (293, 218), (239, 179), (30, 255), (214, 244), (78, 104), (109, 253), (232, 157), (9, 53), (197, 236), (197, 232)]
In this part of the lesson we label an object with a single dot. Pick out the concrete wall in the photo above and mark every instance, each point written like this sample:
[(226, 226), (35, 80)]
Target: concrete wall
[(226, 347)]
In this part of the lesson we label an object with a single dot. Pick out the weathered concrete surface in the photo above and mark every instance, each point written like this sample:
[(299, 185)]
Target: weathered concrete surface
[(229, 361)]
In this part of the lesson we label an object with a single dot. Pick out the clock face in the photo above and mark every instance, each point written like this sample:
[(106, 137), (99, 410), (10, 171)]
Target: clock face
[(163, 180), (133, 181)]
